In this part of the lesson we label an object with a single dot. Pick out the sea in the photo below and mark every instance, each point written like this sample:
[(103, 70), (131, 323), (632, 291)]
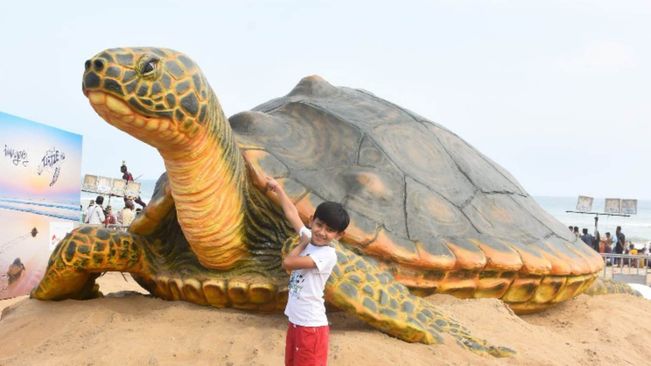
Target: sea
[(637, 228)]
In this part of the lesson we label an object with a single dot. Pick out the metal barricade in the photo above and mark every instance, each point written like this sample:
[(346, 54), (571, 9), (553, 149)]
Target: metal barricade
[(627, 268)]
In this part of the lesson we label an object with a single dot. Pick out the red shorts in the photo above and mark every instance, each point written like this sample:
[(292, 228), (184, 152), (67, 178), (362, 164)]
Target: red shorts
[(306, 346)]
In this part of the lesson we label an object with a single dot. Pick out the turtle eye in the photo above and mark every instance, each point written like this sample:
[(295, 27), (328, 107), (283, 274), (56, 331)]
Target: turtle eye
[(149, 67)]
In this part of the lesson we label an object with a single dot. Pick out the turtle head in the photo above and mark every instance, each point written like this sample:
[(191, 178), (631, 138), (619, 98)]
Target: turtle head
[(159, 96)]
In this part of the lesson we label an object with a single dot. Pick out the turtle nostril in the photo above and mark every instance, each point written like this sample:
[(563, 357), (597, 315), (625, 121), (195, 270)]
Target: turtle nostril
[(87, 65), (99, 65)]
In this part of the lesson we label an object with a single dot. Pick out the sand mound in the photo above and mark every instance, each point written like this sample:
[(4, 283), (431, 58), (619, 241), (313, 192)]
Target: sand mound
[(130, 328)]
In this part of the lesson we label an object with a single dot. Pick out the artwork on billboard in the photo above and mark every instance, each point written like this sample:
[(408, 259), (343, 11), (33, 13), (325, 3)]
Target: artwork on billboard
[(613, 205), (629, 207), (90, 183), (584, 204), (110, 186), (39, 198)]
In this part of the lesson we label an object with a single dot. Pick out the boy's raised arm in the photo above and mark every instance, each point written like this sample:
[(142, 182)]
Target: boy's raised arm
[(290, 211)]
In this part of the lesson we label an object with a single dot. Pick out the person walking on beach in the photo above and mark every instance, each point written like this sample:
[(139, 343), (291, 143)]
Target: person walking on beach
[(96, 212), (310, 263)]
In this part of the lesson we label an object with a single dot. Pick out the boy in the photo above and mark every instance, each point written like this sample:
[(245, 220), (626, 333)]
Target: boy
[(311, 263)]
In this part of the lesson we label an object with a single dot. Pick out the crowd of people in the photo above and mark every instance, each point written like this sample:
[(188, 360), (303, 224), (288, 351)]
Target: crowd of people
[(616, 244), (96, 214)]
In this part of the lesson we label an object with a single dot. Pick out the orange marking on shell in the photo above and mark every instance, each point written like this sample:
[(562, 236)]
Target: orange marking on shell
[(580, 263), (570, 262), (531, 263), (501, 214), (356, 236), (440, 210), (499, 260), (384, 247), (428, 260), (560, 263), (466, 259), (594, 260), (374, 185)]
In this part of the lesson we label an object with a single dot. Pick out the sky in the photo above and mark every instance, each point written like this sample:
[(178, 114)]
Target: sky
[(556, 92)]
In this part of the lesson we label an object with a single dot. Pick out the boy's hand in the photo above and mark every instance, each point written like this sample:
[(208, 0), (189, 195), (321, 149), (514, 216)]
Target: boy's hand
[(272, 185), (290, 211)]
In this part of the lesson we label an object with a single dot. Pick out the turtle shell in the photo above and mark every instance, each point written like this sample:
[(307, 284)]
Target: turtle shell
[(422, 201)]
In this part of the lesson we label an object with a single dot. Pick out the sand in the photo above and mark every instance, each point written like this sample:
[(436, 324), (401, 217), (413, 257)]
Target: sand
[(130, 328)]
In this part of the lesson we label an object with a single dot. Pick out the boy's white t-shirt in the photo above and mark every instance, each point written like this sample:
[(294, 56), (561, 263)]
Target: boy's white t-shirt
[(305, 305)]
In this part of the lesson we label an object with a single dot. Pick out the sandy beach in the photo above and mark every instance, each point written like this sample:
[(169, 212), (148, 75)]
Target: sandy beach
[(127, 327)]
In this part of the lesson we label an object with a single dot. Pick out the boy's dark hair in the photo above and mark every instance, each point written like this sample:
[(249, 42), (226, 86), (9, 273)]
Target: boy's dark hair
[(333, 214), (585, 231), (99, 200)]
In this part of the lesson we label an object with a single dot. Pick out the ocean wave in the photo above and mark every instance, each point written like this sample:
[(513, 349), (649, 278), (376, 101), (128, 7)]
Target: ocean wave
[(59, 214), (63, 206)]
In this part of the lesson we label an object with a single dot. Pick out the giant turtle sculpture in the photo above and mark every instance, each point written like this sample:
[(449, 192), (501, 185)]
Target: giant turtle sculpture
[(430, 214)]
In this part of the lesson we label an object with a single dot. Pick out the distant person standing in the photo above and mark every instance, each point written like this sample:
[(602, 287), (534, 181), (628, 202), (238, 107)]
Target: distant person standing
[(110, 218), (608, 243), (621, 241), (85, 214), (596, 239), (126, 175), (125, 217), (587, 238), (96, 212), (576, 232), (620, 246)]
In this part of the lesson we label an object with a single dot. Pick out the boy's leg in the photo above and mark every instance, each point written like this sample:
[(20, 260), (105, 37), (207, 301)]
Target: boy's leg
[(311, 347), (290, 344), (323, 336)]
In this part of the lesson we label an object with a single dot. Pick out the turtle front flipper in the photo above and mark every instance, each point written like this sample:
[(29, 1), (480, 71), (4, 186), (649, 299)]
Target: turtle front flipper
[(359, 287), (82, 256)]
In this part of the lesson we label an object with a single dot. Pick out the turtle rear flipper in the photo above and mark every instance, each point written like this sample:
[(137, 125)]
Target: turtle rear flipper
[(359, 287)]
